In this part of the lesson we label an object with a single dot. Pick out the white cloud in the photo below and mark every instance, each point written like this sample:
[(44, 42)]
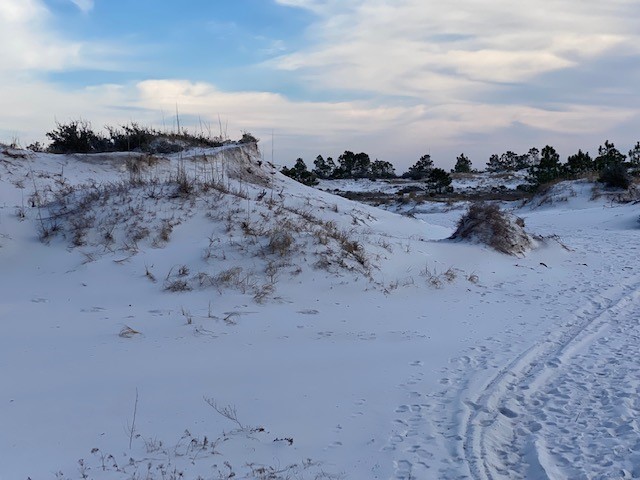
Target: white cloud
[(396, 133), (377, 45), (26, 43), (30, 45), (84, 5)]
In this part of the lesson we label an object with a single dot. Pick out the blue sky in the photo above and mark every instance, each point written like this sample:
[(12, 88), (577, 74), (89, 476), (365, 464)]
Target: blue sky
[(199, 40), (393, 78)]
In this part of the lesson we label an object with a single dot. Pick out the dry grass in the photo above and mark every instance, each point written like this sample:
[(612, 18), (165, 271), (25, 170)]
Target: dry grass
[(177, 285), (252, 220), (487, 224), (280, 242), (128, 332), (438, 280)]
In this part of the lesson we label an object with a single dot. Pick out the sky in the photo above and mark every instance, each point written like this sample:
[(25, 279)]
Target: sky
[(393, 78)]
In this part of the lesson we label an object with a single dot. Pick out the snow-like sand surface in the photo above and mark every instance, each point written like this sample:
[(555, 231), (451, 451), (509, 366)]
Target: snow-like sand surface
[(503, 367)]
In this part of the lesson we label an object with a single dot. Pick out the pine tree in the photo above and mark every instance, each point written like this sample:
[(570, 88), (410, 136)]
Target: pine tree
[(353, 165), (634, 158), (323, 168), (382, 169), (608, 156), (300, 173), (494, 164), (421, 168), (548, 169), (439, 180), (463, 164), (579, 163), (509, 161)]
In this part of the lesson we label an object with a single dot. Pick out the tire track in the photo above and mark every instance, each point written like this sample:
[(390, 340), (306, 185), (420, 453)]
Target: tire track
[(500, 435)]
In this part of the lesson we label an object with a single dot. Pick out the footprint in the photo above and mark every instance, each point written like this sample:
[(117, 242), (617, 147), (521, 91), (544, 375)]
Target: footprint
[(507, 413), (534, 427), (404, 467), (421, 452)]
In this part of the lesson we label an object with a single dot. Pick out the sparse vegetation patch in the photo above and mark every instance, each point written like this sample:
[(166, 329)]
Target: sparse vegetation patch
[(487, 224)]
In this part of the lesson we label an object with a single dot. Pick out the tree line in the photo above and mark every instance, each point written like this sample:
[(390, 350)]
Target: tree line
[(352, 165), (542, 166), (613, 168)]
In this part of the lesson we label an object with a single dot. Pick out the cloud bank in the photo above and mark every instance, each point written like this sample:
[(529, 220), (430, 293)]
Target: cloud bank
[(393, 78)]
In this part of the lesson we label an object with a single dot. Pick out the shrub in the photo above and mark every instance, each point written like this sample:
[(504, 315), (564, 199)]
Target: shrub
[(248, 138), (615, 176), (132, 137), (76, 137), (36, 147), (300, 173), (487, 224)]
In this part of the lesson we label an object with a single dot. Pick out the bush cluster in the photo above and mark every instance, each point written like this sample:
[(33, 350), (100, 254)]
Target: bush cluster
[(78, 136), (489, 225)]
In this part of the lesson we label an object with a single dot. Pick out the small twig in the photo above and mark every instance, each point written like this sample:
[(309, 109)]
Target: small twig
[(229, 412), (122, 260), (133, 424)]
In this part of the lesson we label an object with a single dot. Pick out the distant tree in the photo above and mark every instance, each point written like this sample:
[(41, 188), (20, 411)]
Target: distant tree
[(300, 173), (608, 155), (533, 156), (509, 161), (494, 164), (353, 165), (362, 167), (525, 161), (438, 180), (382, 169), (463, 164), (421, 168), (548, 169), (578, 164), (323, 168), (346, 162), (634, 158)]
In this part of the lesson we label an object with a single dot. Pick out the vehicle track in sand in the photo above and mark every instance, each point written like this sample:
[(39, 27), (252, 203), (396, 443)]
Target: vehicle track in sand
[(558, 389), (565, 406)]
